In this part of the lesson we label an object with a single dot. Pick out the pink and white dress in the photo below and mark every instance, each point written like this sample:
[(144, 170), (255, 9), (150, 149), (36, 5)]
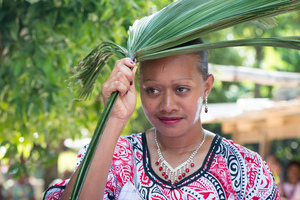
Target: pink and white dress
[(229, 171)]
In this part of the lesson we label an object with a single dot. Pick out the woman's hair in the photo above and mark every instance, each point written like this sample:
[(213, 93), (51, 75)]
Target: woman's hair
[(289, 165), (202, 56), (293, 163)]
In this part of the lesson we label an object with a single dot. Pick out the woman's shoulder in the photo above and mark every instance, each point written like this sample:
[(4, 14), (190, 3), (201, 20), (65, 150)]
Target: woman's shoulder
[(125, 139), (232, 151), (131, 137), (129, 142), (124, 142), (248, 171), (135, 139), (237, 148)]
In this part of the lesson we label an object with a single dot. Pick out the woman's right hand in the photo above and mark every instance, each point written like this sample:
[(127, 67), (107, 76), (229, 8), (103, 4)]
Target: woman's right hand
[(121, 79)]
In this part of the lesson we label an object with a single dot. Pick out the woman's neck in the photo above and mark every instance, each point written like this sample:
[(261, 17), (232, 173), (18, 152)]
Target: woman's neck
[(184, 143)]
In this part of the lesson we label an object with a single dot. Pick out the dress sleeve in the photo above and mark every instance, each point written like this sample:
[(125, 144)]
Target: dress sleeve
[(120, 172), (268, 181), (260, 180), (56, 191)]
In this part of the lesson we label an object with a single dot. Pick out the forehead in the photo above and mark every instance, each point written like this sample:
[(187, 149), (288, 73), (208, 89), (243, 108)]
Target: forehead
[(181, 63)]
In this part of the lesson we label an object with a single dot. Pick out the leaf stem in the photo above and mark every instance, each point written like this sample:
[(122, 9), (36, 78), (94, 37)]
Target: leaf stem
[(85, 164)]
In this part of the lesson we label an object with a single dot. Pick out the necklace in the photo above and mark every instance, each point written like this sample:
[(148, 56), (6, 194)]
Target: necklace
[(175, 175)]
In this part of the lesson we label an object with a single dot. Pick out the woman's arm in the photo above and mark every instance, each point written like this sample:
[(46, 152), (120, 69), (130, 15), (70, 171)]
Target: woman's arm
[(96, 178), (121, 79)]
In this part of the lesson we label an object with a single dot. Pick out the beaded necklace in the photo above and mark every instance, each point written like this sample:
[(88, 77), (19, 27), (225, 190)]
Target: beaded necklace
[(167, 170)]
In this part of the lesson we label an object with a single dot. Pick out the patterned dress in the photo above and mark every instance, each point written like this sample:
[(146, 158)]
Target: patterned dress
[(229, 171)]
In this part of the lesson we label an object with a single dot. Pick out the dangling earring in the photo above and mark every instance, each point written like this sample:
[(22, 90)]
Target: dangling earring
[(206, 107)]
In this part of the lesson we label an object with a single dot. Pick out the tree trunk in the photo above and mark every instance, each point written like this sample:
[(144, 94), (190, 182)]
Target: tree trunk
[(50, 174)]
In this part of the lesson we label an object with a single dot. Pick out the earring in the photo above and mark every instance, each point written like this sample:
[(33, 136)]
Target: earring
[(206, 107)]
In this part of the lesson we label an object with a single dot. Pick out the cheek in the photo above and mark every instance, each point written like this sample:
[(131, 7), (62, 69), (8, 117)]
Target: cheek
[(147, 105), (195, 110), (149, 111), (199, 105), (147, 108)]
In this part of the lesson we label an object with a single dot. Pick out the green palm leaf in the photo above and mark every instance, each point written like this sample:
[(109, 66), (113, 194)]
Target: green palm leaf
[(90, 67), (174, 25), (157, 36), (287, 42), (85, 164)]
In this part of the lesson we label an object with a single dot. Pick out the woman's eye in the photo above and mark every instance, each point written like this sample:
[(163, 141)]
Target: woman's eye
[(152, 90), (182, 89)]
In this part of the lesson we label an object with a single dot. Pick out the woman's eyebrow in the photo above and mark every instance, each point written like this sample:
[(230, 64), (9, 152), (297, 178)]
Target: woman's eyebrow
[(148, 80), (180, 79)]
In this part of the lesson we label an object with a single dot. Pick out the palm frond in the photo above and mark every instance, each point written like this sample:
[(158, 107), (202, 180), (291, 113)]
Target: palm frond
[(88, 70), (85, 164), (285, 42), (203, 19), (266, 23)]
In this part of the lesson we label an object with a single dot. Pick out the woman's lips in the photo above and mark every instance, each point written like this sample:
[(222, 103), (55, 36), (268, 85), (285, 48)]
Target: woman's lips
[(170, 120)]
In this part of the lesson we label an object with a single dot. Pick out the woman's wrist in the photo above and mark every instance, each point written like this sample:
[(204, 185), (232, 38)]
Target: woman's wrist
[(120, 121), (116, 125)]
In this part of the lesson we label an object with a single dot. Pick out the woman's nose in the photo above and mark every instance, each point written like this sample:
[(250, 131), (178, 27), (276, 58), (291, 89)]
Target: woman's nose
[(168, 102)]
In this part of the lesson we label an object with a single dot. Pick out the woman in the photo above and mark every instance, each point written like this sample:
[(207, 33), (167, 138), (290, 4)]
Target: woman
[(177, 159), (291, 187), (275, 167)]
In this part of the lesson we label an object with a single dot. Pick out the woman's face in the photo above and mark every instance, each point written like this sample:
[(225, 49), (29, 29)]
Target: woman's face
[(172, 92), (293, 173)]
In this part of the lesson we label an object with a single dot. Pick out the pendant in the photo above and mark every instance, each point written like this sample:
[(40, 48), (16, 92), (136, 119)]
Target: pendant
[(173, 176)]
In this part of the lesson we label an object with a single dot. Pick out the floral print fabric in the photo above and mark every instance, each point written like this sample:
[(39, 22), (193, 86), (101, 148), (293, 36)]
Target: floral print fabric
[(230, 171)]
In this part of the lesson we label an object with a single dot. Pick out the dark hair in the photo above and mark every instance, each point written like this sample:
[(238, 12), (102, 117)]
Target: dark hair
[(289, 165), (202, 56), (293, 163)]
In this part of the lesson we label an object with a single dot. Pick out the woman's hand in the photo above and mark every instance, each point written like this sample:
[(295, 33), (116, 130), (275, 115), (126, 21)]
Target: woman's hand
[(121, 79)]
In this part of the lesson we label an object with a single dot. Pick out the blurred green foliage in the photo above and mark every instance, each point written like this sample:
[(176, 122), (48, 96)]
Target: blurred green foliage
[(42, 41)]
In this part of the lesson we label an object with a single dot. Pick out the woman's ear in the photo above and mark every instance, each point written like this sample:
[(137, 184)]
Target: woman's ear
[(209, 83)]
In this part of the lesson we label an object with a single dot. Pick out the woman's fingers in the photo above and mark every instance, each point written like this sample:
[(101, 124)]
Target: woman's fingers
[(124, 67), (115, 85), (121, 78), (134, 73)]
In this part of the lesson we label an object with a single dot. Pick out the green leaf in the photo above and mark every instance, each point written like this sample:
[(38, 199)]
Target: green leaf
[(4, 105), (90, 67), (175, 29), (85, 164), (288, 42)]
